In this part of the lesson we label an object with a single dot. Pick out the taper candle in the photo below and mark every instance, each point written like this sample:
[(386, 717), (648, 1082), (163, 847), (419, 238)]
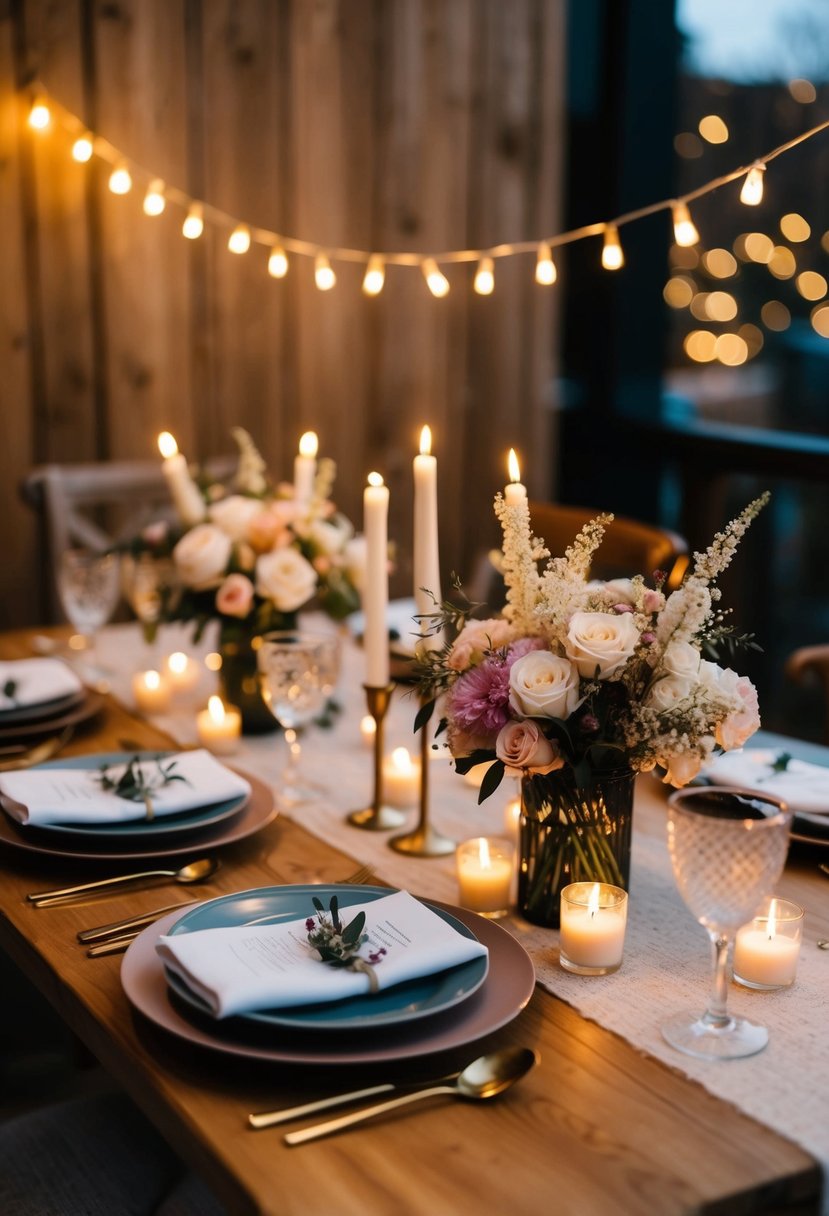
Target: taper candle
[(376, 589), (185, 493), (426, 552)]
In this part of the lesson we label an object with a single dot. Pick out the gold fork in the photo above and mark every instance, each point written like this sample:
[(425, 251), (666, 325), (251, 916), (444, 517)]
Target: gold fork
[(39, 753)]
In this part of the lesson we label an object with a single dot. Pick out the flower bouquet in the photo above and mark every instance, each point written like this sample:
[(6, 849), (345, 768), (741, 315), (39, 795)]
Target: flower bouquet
[(581, 684)]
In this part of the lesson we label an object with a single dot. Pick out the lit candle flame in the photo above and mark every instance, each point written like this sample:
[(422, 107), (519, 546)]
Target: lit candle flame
[(308, 444), (593, 900), (152, 680), (167, 445), (771, 928), (426, 441), (375, 479), (402, 761), (178, 662), (216, 709), (483, 854), (512, 465)]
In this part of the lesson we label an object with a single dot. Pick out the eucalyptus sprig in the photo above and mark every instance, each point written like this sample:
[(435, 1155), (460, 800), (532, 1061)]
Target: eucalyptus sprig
[(339, 944), (135, 784), (10, 689)]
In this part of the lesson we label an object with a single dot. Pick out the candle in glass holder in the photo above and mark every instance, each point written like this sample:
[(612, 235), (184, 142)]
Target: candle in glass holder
[(401, 779), (219, 727), (485, 867), (182, 672), (593, 920), (151, 691), (766, 950)]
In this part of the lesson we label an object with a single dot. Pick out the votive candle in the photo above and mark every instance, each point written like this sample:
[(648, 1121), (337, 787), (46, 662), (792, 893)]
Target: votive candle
[(401, 779), (151, 692), (485, 869), (766, 950), (593, 921), (181, 672), (219, 727)]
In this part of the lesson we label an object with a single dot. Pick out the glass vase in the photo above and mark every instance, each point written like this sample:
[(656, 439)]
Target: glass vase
[(239, 677), (570, 834)]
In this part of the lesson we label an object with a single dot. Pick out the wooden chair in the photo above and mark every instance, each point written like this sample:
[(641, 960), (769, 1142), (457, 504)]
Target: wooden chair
[(811, 664)]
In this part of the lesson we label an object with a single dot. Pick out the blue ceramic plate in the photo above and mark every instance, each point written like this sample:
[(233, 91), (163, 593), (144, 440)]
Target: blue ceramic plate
[(404, 1003), (23, 714), (136, 829)]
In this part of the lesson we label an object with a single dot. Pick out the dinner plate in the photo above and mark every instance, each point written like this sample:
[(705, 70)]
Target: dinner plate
[(23, 714), (499, 1000), (256, 814), (136, 829), (407, 1002), (81, 711), (804, 787)]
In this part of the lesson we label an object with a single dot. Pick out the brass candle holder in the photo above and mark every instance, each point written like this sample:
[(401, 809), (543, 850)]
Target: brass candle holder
[(377, 817), (424, 840)]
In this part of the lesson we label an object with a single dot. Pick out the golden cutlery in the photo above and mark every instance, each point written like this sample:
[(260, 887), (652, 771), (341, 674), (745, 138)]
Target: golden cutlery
[(273, 1117), (38, 754), (195, 871), (118, 928), (484, 1078), (116, 945)]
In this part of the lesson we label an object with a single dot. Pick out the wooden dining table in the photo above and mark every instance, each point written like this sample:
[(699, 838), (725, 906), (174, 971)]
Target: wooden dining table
[(596, 1126)]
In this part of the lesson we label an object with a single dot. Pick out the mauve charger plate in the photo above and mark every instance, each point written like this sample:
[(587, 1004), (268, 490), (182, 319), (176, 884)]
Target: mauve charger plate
[(80, 711), (506, 991)]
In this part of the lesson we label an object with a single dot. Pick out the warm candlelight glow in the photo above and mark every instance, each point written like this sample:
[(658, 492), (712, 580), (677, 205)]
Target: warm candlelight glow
[(512, 465), (152, 680), (771, 928), (402, 761), (308, 444), (483, 854), (216, 709), (167, 445), (375, 479), (219, 727), (593, 900), (178, 662), (368, 730), (426, 441)]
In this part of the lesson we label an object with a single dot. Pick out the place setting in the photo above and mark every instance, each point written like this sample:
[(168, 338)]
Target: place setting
[(803, 786), (40, 698)]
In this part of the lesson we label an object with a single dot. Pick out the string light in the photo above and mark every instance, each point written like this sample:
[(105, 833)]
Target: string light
[(193, 225), (40, 116), (154, 200), (545, 268), (239, 239), (278, 263), (323, 274), (485, 277), (752, 191), (82, 149), (436, 280), (613, 257), (375, 276), (685, 231), (120, 181)]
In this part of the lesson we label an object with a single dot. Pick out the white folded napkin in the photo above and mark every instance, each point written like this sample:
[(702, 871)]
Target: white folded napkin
[(75, 795), (241, 969), (802, 786), (36, 681)]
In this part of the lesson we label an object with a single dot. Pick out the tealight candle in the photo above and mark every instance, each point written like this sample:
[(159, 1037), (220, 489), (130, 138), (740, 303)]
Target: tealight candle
[(766, 950), (593, 920), (219, 727), (181, 671), (151, 691), (368, 730), (485, 868), (401, 779)]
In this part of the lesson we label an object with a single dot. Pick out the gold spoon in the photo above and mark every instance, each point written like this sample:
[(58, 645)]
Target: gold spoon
[(195, 871), (484, 1078)]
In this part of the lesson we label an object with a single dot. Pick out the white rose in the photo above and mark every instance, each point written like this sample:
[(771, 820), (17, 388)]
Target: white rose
[(602, 640), (681, 768), (329, 537), (709, 675), (621, 590), (355, 560), (233, 514), (286, 578), (668, 692), (681, 659), (202, 555), (542, 685)]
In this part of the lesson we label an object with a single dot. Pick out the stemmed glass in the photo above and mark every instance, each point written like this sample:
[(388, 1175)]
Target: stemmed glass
[(727, 849), (88, 585), (298, 670)]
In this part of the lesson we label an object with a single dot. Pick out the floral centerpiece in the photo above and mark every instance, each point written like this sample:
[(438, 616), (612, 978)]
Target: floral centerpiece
[(581, 684), (250, 555)]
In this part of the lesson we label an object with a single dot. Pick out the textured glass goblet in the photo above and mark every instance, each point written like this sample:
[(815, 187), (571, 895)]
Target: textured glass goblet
[(728, 847), (88, 585)]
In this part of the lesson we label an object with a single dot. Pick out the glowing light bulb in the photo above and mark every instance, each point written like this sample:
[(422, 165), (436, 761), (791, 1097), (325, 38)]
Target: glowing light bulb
[(154, 200), (485, 277), (752, 191), (685, 232), (436, 280), (239, 239), (193, 225), (375, 276), (120, 181), (612, 256), (323, 273), (82, 149), (545, 268), (278, 263), (39, 116)]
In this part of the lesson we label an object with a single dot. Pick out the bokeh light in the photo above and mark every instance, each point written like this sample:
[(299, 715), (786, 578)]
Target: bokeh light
[(794, 227), (782, 264), (713, 129), (678, 291), (719, 263), (731, 349), (700, 345), (811, 285), (775, 316)]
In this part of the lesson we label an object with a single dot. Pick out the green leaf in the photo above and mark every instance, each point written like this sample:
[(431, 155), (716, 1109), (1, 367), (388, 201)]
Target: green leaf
[(493, 777), (353, 931), (464, 763), (424, 714), (317, 904), (334, 909)]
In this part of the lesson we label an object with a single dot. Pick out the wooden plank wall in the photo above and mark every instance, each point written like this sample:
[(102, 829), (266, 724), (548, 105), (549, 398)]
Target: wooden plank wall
[(388, 124)]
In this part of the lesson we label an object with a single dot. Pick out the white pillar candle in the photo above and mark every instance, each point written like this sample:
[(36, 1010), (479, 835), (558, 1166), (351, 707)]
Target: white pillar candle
[(185, 493), (593, 920), (181, 672), (151, 692), (376, 588), (305, 468), (401, 779), (485, 868), (515, 493), (219, 727), (766, 950), (426, 551)]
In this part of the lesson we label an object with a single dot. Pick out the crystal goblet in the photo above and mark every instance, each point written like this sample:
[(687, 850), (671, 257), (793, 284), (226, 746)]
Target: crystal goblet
[(88, 585), (728, 848)]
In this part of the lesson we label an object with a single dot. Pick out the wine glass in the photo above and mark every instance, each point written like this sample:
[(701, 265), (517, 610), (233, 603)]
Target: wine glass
[(728, 847), (88, 585), (298, 670)]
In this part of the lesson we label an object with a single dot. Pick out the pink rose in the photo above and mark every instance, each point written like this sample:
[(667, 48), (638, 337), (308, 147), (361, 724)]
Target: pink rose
[(235, 596), (263, 530), (743, 721), (521, 745), (681, 768), (476, 638)]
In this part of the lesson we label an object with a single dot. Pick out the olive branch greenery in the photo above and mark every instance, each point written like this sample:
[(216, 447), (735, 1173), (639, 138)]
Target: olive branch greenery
[(338, 944), (137, 785)]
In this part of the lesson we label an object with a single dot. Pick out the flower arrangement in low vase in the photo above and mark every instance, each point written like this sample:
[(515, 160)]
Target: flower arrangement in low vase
[(581, 684), (250, 554)]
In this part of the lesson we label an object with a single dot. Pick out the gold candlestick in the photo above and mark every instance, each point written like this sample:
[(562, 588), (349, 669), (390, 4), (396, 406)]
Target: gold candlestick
[(377, 817), (423, 841)]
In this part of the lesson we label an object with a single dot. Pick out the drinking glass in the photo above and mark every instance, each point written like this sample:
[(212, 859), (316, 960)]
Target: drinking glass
[(298, 670), (88, 585), (148, 584), (728, 847)]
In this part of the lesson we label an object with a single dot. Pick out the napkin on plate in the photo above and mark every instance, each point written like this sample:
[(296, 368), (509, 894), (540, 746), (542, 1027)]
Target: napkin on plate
[(242, 969), (803, 787), (75, 795), (36, 681)]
